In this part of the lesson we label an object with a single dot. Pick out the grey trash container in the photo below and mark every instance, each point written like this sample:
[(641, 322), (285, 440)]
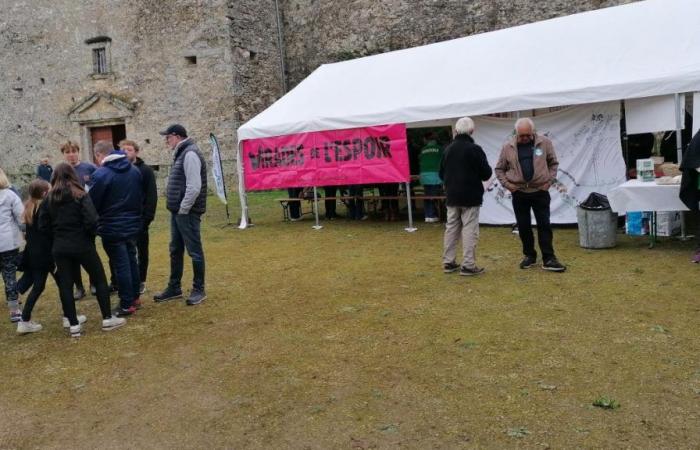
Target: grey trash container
[(597, 228)]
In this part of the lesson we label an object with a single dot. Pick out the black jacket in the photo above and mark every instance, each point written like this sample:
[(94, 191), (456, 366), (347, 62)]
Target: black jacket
[(71, 223), (150, 192), (37, 252), (462, 169), (689, 182)]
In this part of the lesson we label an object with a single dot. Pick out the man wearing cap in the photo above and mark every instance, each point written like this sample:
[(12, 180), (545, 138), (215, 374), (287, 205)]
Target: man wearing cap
[(186, 199)]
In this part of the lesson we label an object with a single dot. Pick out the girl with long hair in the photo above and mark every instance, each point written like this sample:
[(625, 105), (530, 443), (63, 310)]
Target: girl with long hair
[(71, 219), (11, 210), (37, 261)]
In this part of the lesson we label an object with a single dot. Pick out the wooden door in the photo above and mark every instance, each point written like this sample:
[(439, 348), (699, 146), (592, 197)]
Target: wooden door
[(99, 134)]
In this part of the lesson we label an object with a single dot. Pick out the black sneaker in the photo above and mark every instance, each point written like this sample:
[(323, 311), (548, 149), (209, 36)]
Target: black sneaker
[(553, 265), (168, 294), (450, 267), (528, 262), (113, 289), (121, 312), (196, 297), (467, 272)]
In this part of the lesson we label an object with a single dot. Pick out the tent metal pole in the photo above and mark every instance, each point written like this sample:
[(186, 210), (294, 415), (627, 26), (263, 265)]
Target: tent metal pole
[(679, 126), (241, 189), (679, 154), (410, 227), (317, 226)]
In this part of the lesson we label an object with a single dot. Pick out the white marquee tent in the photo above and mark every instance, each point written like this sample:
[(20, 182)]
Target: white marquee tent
[(643, 49)]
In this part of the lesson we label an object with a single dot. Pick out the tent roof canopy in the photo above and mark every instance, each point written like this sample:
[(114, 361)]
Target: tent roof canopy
[(637, 50)]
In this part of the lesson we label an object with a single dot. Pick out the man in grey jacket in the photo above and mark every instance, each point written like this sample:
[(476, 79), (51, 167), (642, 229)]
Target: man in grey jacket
[(187, 201)]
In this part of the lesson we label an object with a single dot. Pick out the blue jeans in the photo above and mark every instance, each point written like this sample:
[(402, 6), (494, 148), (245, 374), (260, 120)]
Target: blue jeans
[(431, 190), (122, 259), (185, 234)]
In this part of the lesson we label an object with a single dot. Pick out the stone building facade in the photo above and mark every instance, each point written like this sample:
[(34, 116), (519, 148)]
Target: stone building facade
[(89, 69)]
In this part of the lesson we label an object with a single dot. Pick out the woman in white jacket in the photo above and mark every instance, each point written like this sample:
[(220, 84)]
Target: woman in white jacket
[(11, 210)]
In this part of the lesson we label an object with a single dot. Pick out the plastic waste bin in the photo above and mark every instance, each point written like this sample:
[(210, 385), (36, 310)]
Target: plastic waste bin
[(597, 224)]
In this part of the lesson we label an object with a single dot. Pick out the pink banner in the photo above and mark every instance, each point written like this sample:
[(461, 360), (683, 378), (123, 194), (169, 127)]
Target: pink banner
[(327, 158)]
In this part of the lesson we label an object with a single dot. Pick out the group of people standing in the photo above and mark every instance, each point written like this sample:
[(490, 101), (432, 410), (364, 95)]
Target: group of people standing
[(115, 199), (527, 167)]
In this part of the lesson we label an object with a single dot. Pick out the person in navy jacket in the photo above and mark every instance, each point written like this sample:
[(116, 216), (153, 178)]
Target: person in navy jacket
[(117, 195)]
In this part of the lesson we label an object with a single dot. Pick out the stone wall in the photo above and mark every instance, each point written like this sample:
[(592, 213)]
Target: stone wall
[(48, 71), (324, 31)]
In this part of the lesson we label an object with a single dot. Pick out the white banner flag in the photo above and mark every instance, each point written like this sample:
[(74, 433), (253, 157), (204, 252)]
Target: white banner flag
[(217, 171), (587, 142)]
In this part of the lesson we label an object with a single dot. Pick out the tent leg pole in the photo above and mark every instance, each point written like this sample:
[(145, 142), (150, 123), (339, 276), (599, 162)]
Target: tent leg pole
[(241, 189), (410, 227), (317, 226), (679, 154)]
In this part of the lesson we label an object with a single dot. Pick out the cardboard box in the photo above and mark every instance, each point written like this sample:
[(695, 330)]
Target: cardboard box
[(637, 223), (668, 223), (645, 169)]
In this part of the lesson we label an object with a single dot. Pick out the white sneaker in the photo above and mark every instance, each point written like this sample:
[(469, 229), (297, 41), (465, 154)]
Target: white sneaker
[(113, 323), (28, 327), (432, 220), (81, 320), (75, 331)]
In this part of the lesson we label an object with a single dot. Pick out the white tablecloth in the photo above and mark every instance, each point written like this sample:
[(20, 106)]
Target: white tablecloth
[(635, 195)]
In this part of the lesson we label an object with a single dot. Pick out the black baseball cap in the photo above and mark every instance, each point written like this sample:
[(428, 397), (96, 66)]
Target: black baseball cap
[(175, 128)]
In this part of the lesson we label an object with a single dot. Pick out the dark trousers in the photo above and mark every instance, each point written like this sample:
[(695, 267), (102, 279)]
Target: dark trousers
[(294, 207), (142, 248), (122, 260), (356, 206), (431, 190), (90, 261), (390, 208), (8, 265), (185, 234), (36, 279), (537, 202), (330, 191)]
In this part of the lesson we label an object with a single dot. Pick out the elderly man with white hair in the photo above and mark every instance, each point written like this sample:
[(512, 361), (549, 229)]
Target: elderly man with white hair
[(463, 168), (527, 167)]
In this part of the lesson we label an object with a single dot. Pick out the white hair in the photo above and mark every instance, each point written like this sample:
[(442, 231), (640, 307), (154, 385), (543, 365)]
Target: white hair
[(465, 125), (525, 121)]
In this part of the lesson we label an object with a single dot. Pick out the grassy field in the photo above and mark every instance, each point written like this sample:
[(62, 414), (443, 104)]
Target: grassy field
[(352, 337)]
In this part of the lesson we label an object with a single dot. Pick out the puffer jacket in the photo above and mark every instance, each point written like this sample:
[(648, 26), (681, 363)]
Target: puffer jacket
[(11, 210), (117, 194)]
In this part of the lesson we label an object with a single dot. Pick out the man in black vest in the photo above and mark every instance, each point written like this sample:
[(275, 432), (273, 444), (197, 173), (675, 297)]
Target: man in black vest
[(187, 201)]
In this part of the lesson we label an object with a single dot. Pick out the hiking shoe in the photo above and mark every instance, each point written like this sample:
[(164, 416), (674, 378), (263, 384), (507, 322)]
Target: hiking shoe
[(15, 316), (553, 265), (528, 262), (124, 312), (450, 267), (137, 303), (81, 320), (467, 272), (168, 294), (696, 257), (28, 327), (78, 294), (196, 297), (75, 331), (142, 288), (112, 323)]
